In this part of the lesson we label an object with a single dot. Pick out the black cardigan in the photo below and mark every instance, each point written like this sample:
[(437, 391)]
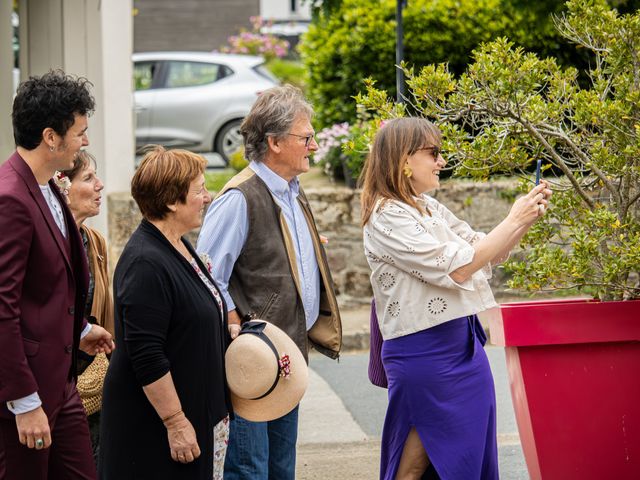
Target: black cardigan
[(166, 320)]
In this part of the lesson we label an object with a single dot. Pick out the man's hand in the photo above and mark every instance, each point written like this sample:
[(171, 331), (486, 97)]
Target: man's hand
[(33, 429), (234, 324), (98, 340)]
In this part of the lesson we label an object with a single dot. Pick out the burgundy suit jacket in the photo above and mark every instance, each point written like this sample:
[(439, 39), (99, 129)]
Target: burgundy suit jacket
[(43, 288)]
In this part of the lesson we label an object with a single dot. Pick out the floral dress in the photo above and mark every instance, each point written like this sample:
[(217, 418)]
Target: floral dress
[(221, 429)]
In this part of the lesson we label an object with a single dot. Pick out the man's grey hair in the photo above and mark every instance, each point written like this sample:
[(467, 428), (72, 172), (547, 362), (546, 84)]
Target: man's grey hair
[(272, 115)]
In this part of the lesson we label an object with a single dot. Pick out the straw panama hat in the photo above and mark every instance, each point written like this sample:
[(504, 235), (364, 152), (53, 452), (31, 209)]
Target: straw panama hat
[(266, 372)]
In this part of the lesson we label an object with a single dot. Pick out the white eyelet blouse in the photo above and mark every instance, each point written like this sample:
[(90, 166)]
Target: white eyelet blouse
[(411, 257)]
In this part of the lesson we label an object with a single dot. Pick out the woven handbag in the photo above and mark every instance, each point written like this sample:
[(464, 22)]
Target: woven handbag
[(377, 375), (90, 384)]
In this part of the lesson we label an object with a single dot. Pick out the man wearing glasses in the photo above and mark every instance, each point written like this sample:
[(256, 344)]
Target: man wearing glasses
[(269, 263)]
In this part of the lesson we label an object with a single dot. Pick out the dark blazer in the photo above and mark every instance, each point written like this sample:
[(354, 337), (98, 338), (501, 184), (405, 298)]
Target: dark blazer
[(43, 286), (166, 320)]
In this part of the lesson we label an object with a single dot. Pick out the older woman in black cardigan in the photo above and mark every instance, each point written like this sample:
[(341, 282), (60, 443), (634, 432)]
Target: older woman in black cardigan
[(165, 395)]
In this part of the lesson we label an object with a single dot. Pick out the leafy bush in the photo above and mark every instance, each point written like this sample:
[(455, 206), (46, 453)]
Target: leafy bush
[(215, 181), (288, 71), (351, 40), (511, 107), (237, 160)]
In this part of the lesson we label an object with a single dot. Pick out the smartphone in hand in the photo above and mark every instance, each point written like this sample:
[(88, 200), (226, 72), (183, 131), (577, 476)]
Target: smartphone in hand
[(541, 208), (538, 167)]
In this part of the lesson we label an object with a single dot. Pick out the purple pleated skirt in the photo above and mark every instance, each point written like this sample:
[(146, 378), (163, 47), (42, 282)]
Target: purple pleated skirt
[(441, 384)]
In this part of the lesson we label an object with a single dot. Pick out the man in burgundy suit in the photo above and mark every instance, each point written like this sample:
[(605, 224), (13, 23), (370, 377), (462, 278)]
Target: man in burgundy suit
[(43, 286)]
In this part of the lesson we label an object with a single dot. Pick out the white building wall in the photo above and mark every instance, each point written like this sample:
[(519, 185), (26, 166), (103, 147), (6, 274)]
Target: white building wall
[(282, 10), (6, 80)]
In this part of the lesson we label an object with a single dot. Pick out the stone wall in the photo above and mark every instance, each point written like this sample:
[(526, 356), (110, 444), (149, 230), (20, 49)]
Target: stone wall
[(337, 212)]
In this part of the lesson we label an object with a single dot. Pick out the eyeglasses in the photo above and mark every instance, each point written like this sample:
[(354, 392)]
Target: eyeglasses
[(307, 138), (437, 151)]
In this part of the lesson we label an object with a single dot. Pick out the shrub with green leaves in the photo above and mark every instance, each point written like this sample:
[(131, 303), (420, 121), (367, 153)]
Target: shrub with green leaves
[(511, 107), (237, 160), (352, 40), (356, 40), (288, 71)]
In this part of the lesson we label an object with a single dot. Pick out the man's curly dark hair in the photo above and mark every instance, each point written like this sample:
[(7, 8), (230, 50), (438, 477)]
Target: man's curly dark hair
[(51, 100)]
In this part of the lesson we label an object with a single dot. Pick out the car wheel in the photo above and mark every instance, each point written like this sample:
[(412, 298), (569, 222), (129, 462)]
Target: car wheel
[(228, 140)]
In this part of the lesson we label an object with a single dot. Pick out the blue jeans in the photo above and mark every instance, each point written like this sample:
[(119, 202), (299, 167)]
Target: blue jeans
[(262, 450)]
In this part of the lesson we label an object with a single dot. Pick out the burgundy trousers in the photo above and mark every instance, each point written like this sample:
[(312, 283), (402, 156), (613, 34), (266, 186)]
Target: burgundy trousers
[(69, 457)]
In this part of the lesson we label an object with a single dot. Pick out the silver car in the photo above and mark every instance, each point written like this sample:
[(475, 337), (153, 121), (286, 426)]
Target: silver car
[(196, 100)]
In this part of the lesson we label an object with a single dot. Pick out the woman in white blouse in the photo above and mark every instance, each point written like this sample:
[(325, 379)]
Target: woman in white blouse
[(429, 278)]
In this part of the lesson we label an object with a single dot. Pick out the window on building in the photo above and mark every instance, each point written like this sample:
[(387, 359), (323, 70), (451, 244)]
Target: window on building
[(294, 7)]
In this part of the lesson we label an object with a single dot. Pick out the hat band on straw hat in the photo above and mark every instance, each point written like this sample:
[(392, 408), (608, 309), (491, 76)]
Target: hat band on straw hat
[(257, 329)]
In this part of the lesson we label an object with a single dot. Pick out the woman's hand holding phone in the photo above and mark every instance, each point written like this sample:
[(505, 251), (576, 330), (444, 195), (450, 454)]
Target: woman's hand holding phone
[(541, 207)]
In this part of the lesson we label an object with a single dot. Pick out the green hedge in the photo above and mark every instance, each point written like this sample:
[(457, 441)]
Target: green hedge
[(356, 39)]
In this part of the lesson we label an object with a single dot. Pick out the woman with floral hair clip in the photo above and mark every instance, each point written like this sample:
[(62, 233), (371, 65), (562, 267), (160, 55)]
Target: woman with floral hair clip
[(429, 278), (83, 190)]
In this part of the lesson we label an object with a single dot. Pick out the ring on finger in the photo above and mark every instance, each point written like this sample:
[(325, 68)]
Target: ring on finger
[(39, 443)]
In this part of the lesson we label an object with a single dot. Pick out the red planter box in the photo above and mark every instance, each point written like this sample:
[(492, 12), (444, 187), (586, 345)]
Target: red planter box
[(574, 367)]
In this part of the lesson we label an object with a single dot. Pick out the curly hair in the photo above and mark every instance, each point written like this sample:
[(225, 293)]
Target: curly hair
[(50, 101)]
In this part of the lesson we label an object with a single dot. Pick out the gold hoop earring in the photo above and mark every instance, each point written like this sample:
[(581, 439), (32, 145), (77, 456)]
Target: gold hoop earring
[(406, 170)]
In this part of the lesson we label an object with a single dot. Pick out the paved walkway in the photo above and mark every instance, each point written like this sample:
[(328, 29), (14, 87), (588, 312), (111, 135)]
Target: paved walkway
[(331, 445)]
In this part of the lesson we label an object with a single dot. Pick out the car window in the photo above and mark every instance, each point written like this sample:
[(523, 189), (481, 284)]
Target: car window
[(143, 73), (191, 74), (225, 71), (264, 72)]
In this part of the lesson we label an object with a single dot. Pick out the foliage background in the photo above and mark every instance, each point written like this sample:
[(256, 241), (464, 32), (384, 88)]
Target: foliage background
[(351, 40), (511, 107)]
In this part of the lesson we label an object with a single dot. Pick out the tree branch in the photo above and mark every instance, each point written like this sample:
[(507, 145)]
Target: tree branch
[(559, 161), (587, 161)]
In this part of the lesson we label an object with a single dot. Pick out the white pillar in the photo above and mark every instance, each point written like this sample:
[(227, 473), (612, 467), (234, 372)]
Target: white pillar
[(6, 80), (117, 36), (111, 128)]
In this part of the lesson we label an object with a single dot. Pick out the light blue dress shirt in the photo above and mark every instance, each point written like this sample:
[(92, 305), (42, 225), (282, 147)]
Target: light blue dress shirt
[(226, 227)]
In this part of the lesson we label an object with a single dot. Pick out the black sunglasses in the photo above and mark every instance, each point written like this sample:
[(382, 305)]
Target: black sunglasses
[(437, 151)]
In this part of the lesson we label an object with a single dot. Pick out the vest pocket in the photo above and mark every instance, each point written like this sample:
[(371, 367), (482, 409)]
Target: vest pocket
[(267, 306)]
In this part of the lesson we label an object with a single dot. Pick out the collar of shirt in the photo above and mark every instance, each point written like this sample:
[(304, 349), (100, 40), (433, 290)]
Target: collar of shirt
[(275, 183), (423, 199)]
